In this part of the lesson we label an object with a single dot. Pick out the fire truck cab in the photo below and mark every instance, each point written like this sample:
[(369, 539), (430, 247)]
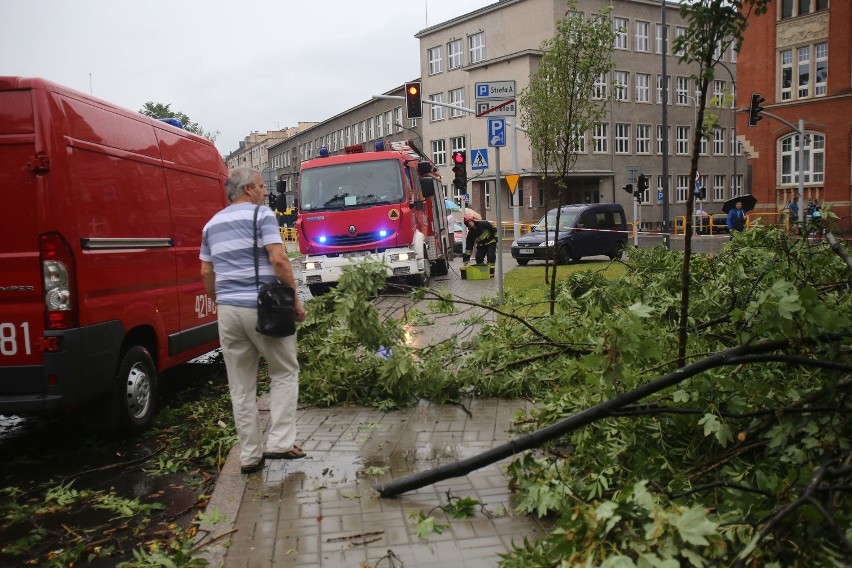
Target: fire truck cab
[(382, 206)]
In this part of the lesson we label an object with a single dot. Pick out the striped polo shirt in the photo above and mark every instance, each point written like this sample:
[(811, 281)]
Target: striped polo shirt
[(227, 242)]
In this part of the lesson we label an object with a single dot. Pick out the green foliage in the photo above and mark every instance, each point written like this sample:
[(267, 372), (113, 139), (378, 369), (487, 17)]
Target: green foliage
[(160, 110), (696, 473)]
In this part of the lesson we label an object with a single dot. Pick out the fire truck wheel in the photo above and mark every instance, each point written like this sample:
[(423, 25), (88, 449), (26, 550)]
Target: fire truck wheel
[(136, 388), (318, 290), (442, 267)]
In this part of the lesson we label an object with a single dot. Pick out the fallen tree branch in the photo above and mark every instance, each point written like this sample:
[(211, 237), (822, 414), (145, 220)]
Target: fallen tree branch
[(588, 416)]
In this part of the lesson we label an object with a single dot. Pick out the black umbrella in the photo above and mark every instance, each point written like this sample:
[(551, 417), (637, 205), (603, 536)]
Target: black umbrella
[(749, 201)]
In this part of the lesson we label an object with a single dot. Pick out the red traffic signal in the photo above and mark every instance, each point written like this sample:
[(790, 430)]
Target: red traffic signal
[(413, 100)]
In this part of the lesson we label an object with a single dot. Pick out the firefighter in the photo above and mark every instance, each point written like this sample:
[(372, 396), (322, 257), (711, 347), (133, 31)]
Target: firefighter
[(484, 235)]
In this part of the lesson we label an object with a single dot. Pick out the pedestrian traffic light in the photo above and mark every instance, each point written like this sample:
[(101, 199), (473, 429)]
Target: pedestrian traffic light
[(643, 182), (702, 193), (460, 169), (755, 109), (629, 188), (413, 100)]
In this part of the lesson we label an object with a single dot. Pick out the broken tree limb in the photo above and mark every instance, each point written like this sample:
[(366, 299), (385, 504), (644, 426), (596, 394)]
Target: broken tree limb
[(536, 439)]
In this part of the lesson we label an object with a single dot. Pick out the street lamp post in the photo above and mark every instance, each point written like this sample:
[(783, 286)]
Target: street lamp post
[(735, 150)]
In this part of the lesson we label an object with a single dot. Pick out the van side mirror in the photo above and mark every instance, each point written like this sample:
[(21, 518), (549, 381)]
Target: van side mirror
[(427, 185)]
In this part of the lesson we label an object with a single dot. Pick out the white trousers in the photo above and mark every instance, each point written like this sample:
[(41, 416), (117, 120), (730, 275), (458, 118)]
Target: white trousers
[(242, 348)]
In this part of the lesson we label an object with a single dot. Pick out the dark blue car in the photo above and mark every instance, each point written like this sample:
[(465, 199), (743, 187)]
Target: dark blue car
[(584, 230)]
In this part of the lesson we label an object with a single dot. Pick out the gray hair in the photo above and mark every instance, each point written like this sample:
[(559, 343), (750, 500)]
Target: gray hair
[(238, 179)]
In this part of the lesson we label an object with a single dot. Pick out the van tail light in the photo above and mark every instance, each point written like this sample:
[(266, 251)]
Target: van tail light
[(59, 278)]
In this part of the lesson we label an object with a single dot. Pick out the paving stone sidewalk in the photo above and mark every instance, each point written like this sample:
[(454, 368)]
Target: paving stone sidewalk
[(323, 510)]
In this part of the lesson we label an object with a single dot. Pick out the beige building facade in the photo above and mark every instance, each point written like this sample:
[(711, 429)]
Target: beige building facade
[(501, 42)]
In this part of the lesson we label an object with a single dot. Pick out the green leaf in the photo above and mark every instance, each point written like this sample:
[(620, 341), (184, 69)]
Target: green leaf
[(693, 526)]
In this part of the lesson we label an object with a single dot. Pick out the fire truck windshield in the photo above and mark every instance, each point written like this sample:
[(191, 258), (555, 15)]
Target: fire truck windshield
[(350, 186)]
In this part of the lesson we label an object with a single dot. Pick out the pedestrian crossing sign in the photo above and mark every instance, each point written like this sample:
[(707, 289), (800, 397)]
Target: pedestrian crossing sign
[(479, 159)]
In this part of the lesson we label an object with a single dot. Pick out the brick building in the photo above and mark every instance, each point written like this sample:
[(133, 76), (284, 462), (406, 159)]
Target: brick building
[(798, 56)]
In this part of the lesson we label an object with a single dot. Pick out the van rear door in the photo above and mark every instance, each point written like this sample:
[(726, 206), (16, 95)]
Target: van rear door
[(21, 304)]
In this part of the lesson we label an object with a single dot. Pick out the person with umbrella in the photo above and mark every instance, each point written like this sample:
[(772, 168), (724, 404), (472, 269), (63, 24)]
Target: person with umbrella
[(736, 218)]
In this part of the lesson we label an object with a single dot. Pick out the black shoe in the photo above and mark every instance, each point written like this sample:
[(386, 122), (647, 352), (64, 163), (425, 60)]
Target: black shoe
[(252, 468)]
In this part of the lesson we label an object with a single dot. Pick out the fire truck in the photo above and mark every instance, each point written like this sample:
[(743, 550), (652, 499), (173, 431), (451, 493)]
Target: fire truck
[(384, 205)]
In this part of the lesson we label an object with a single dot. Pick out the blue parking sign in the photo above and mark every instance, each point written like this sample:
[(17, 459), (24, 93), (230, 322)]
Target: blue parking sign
[(660, 195), (496, 132)]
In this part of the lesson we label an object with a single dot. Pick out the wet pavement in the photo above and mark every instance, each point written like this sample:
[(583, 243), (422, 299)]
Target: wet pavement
[(323, 511)]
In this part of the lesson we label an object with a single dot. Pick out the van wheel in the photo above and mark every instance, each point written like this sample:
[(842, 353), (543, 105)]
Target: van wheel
[(523, 261), (563, 255), (617, 251), (136, 388)]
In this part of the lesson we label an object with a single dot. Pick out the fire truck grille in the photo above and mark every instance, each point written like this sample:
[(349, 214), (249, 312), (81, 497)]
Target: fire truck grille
[(352, 240)]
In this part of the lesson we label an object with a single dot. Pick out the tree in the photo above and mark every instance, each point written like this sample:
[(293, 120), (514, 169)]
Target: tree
[(160, 110), (714, 26), (561, 103)]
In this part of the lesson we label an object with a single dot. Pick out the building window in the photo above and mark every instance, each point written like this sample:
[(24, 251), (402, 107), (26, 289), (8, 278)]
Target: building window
[(682, 140), (348, 136), (434, 57), (681, 90), (622, 138), (814, 155), (457, 99), (702, 147), (804, 70), (579, 142), (363, 126), (679, 31), (599, 88), (719, 141), (643, 85), (454, 54), (811, 72), (457, 144), (736, 150), (660, 90), (793, 8), (642, 36), (371, 132), (660, 140), (620, 26), (736, 185), (488, 195), (439, 152), (643, 138), (719, 92), (620, 85), (436, 112), (476, 47), (658, 38), (389, 121), (397, 113), (682, 189), (821, 74), (599, 138), (719, 188), (786, 74)]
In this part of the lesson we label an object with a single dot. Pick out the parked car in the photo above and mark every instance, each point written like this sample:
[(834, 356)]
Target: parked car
[(584, 230)]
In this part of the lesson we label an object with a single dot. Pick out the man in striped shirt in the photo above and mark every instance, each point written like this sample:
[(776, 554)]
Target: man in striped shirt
[(227, 269)]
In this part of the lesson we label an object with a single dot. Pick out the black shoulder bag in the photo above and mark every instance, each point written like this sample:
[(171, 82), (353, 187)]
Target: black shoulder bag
[(276, 302)]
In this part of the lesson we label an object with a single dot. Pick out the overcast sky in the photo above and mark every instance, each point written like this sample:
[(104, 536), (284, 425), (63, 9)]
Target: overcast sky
[(233, 66)]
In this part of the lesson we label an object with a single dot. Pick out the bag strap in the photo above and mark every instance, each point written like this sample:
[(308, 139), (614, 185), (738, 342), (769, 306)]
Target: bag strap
[(254, 248)]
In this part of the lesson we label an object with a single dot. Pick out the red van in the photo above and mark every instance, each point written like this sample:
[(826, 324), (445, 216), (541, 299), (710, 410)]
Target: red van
[(99, 271)]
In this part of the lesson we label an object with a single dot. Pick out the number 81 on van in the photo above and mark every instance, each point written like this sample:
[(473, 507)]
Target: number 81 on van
[(9, 341)]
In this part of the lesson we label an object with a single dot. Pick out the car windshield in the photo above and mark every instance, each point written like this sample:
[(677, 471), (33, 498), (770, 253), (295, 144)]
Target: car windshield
[(566, 221), (350, 186)]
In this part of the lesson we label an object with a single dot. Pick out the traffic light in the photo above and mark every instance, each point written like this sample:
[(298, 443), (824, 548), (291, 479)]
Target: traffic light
[(701, 193), (460, 169), (629, 188), (643, 182), (413, 100), (755, 109)]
